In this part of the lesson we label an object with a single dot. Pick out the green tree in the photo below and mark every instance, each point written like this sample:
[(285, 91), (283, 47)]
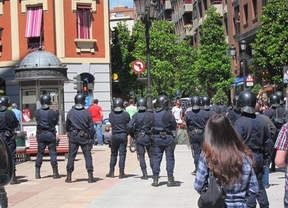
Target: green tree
[(220, 96), (212, 67), (271, 42), (171, 61), (121, 59)]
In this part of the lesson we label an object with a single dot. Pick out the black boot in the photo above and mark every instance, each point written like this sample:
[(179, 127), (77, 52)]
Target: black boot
[(111, 173), (155, 181), (121, 173), (145, 175), (68, 178), (37, 173), (171, 182), (91, 179), (14, 179), (55, 173)]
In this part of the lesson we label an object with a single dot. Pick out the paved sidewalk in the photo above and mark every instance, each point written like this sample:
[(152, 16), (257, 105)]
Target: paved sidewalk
[(114, 192)]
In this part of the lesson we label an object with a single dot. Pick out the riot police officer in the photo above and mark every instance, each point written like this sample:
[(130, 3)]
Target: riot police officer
[(256, 135), (46, 120), (196, 121), (205, 105), (80, 130), (235, 112), (281, 96), (140, 126), (8, 124), (164, 140), (119, 120), (277, 114), (6, 170)]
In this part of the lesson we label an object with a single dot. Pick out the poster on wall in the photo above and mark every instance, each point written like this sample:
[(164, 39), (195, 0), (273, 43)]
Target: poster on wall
[(26, 115)]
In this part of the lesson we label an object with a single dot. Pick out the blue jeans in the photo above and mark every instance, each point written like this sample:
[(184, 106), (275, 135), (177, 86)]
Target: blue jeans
[(265, 178), (98, 134)]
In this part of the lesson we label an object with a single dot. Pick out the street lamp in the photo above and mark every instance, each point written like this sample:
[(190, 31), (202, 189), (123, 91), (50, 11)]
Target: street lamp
[(242, 57), (146, 11)]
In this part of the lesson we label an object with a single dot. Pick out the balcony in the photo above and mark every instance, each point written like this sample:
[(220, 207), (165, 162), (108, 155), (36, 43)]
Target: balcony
[(186, 8), (219, 8), (167, 5), (188, 30)]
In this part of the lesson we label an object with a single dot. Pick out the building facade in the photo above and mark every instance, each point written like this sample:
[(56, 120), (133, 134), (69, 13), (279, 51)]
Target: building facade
[(75, 31), (240, 21), (122, 14)]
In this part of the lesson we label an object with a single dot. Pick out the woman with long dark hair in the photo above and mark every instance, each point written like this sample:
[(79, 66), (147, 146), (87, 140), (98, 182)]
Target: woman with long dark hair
[(226, 156)]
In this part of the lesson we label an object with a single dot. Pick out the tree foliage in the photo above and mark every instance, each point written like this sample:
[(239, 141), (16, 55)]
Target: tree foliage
[(121, 59), (220, 96), (213, 64), (271, 42), (170, 60)]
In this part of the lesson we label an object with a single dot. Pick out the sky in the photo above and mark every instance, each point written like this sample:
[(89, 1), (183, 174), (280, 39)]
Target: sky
[(128, 3)]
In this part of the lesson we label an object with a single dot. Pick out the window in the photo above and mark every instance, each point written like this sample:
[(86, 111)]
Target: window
[(255, 8), (200, 9), (34, 28), (83, 21), (28, 105), (246, 13)]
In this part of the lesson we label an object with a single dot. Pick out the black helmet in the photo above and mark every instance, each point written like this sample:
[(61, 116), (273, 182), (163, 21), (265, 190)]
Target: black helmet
[(80, 101), (4, 103), (141, 104), (274, 100), (162, 101), (45, 101), (205, 101), (247, 101), (118, 104), (195, 102), (280, 95)]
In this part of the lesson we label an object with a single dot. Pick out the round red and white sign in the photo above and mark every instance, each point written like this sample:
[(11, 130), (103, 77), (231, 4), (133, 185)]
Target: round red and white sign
[(138, 66)]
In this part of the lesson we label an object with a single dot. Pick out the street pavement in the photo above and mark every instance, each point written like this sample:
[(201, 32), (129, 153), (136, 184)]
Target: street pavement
[(114, 192)]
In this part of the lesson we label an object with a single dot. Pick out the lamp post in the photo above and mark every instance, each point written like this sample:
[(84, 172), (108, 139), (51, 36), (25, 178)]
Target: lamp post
[(146, 11), (242, 57)]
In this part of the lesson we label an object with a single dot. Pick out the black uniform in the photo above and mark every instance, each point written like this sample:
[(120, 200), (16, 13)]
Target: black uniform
[(256, 135), (8, 124), (196, 121), (233, 115), (141, 124), (46, 119), (80, 129), (119, 121), (163, 130), (6, 168)]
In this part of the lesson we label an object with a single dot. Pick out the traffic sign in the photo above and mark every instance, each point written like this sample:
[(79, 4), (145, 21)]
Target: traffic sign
[(249, 80), (138, 66)]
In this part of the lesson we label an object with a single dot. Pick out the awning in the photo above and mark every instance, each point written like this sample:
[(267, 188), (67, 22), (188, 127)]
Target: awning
[(238, 81), (34, 22)]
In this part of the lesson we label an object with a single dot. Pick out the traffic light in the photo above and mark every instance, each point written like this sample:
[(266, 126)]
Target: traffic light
[(85, 87), (78, 83)]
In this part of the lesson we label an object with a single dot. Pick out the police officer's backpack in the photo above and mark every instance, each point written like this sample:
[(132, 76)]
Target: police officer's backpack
[(278, 117)]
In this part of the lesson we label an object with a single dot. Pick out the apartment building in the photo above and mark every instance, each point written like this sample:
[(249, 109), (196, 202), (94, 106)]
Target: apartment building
[(240, 20), (56, 47), (122, 14)]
